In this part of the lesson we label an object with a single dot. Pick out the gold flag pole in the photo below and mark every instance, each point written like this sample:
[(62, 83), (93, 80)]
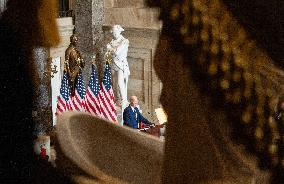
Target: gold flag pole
[(94, 59)]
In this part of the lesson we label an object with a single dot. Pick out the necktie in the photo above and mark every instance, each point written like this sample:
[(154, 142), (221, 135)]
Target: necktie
[(135, 113)]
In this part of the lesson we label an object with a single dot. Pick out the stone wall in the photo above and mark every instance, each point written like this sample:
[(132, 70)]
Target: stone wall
[(65, 27), (132, 14)]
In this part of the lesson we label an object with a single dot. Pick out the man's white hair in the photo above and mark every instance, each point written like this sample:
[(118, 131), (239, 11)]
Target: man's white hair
[(133, 97)]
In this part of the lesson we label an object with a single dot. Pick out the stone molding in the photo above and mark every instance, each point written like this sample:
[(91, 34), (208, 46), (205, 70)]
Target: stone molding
[(136, 32), (140, 17)]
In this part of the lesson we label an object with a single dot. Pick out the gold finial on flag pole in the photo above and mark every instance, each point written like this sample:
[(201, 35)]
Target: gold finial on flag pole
[(94, 59), (108, 57)]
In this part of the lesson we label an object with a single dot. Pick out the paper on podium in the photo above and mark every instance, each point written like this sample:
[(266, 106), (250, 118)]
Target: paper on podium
[(161, 115)]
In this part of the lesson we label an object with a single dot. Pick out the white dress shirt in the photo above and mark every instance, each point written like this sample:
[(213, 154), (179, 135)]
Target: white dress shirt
[(133, 109)]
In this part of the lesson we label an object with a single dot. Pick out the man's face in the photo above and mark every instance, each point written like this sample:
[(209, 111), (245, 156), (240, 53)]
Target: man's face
[(134, 101), (115, 34)]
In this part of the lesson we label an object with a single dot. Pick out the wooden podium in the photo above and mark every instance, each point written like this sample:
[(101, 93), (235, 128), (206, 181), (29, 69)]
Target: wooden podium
[(154, 130)]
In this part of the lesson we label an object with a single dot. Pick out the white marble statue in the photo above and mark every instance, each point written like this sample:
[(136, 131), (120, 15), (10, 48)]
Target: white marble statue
[(118, 47)]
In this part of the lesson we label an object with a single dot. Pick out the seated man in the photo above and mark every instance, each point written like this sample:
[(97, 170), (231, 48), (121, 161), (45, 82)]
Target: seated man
[(132, 116)]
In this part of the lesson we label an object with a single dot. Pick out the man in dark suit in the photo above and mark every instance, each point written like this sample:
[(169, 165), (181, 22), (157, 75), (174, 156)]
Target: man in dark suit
[(132, 116)]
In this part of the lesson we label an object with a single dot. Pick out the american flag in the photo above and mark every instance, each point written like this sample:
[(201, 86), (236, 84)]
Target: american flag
[(106, 97), (64, 99), (78, 101), (92, 96)]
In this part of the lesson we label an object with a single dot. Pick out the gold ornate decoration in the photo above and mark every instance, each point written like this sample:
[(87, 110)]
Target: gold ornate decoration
[(94, 59), (66, 66), (51, 69), (108, 57), (225, 55)]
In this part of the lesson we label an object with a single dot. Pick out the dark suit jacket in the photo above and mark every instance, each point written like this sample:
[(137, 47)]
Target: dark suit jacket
[(129, 117)]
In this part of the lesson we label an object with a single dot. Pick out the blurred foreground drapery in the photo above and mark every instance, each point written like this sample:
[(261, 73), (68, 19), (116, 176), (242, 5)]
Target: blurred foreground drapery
[(24, 25), (234, 53), (34, 20)]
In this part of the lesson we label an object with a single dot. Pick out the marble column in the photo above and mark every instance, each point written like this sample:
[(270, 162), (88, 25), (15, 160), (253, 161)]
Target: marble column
[(42, 114), (88, 27), (98, 36)]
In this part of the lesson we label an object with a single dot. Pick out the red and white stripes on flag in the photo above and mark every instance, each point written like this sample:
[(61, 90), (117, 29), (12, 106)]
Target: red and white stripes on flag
[(107, 101), (92, 95), (78, 100), (97, 100), (64, 99)]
